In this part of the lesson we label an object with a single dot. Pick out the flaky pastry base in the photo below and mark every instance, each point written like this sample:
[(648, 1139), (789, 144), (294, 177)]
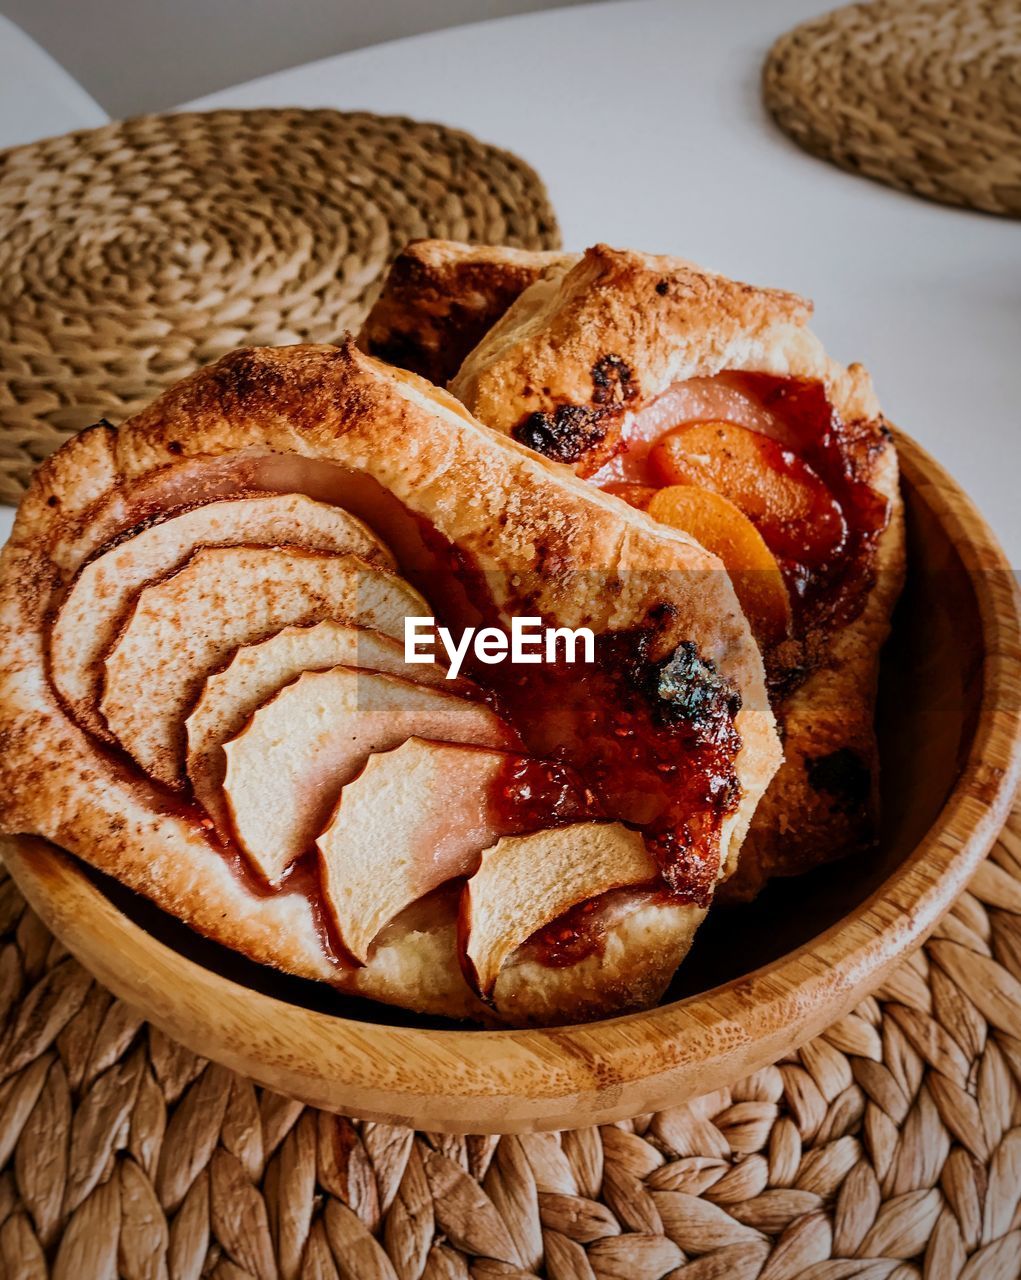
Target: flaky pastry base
[(665, 320), (282, 413)]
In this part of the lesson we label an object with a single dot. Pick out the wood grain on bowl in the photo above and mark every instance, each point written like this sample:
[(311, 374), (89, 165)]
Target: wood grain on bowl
[(952, 751)]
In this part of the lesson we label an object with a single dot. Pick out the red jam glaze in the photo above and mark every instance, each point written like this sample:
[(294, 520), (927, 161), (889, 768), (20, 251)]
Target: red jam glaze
[(654, 746), (581, 932), (831, 594), (574, 936), (662, 769), (533, 795), (802, 429), (620, 739)]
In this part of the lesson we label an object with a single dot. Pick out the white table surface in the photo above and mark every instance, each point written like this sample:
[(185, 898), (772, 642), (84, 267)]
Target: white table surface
[(38, 98), (645, 120)]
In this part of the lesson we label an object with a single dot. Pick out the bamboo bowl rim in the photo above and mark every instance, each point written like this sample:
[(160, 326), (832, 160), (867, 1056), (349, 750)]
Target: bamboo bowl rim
[(507, 1080)]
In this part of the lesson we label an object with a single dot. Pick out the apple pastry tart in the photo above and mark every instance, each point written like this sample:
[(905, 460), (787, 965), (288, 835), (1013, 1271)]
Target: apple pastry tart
[(711, 406), (205, 692)]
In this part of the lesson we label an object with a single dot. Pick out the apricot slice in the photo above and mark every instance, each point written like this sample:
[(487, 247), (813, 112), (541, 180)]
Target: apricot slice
[(413, 819), (721, 528), (526, 882), (286, 770), (785, 499), (635, 495)]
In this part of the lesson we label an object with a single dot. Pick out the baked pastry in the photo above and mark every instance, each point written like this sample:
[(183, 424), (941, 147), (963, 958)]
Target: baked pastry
[(711, 405), (205, 692), (440, 298)]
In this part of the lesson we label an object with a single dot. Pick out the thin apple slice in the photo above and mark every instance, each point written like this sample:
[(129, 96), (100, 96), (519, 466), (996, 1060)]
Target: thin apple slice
[(785, 499), (525, 882), (232, 696), (413, 819), (285, 771), (190, 624), (728, 533), (101, 596)]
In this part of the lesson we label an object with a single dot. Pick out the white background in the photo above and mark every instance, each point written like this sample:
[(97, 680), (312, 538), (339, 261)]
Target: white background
[(135, 56)]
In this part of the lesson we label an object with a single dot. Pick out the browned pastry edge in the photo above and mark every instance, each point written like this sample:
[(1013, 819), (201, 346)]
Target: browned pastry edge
[(440, 298), (823, 803), (651, 321), (661, 319), (603, 565)]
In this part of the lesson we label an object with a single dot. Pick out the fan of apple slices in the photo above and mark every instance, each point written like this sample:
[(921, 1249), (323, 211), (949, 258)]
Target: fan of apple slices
[(205, 694), (247, 655)]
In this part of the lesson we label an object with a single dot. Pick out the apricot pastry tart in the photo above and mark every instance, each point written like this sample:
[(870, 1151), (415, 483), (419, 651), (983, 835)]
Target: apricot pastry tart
[(709, 405), (205, 693)]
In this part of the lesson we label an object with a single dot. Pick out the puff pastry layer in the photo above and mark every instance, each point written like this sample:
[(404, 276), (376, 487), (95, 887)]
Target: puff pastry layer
[(262, 530), (602, 356)]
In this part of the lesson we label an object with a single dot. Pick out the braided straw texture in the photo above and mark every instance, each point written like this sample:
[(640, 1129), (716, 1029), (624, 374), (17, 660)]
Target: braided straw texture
[(132, 254), (925, 96), (888, 1148)]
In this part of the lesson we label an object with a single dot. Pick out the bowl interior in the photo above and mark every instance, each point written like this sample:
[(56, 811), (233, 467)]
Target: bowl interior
[(929, 698)]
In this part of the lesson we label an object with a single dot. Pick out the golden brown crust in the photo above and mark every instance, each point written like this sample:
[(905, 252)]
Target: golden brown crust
[(640, 954), (440, 297), (269, 419), (579, 350), (621, 327)]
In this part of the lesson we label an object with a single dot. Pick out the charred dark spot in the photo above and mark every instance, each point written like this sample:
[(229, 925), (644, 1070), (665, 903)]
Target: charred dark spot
[(52, 500), (175, 447), (843, 775), (566, 434), (662, 288), (790, 662), (612, 381), (101, 424), (688, 689)]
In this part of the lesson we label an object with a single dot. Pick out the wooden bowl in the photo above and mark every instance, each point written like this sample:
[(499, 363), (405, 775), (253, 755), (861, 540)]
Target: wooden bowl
[(761, 980)]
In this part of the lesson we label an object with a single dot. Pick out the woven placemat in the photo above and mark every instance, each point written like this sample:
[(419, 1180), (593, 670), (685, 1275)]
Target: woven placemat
[(924, 95), (132, 254), (888, 1148)]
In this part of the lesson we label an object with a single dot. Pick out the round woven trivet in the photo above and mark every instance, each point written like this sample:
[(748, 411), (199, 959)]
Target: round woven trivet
[(924, 95), (131, 254), (890, 1147)]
